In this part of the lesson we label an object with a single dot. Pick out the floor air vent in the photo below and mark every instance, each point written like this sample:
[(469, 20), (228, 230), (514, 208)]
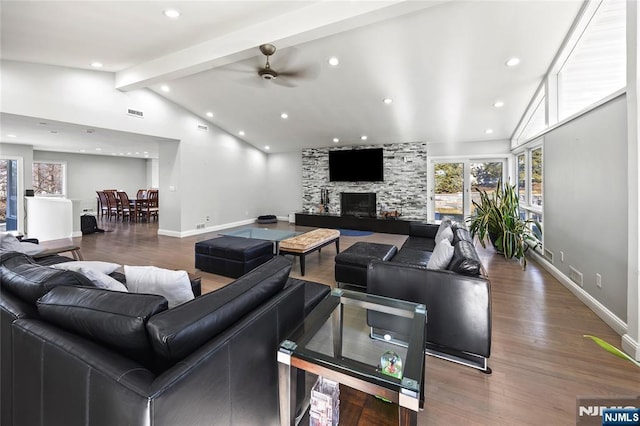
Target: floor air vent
[(575, 275), (135, 113), (548, 254)]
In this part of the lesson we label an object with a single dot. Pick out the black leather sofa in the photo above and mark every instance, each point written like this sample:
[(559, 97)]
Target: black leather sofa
[(73, 354), (458, 298)]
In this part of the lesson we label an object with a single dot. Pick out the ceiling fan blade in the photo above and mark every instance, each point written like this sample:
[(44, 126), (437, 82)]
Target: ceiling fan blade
[(309, 73), (283, 81)]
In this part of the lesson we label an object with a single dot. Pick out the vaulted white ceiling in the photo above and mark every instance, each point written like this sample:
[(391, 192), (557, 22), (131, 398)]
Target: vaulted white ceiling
[(441, 62)]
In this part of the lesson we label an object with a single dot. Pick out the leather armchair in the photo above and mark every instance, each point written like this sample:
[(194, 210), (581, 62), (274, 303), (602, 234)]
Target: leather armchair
[(458, 309)]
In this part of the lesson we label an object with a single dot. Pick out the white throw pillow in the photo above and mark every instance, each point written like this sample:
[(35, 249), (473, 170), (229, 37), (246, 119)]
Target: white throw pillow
[(446, 234), (94, 265), (443, 225), (175, 286), (441, 256), (10, 243), (101, 280)]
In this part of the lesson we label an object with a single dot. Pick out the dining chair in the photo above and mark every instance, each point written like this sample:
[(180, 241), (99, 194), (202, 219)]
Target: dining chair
[(127, 206), (142, 193), (151, 207), (112, 203), (103, 204)]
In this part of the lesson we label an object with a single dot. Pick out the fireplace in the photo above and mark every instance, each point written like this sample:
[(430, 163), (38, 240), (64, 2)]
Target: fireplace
[(358, 204)]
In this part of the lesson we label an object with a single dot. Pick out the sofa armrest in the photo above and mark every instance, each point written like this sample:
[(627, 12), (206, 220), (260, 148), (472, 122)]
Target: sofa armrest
[(458, 306)]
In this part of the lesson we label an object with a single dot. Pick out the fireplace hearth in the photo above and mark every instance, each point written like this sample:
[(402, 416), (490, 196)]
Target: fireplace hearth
[(361, 204)]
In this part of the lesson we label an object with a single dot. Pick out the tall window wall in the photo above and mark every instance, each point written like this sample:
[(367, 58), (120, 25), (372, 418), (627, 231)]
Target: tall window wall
[(530, 186), (49, 178), (590, 67)]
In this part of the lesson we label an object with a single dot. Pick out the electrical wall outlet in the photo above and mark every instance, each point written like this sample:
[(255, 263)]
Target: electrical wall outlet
[(598, 280), (200, 226)]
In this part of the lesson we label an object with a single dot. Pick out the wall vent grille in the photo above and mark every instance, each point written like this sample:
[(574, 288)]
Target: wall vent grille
[(135, 113), (548, 254), (575, 275), (203, 127)]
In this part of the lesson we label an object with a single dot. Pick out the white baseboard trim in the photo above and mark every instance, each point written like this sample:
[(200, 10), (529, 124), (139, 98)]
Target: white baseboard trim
[(602, 311), (631, 347), (192, 232), (76, 234)]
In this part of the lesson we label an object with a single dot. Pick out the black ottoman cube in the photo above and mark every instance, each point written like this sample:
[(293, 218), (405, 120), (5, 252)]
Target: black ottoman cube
[(232, 256), (351, 264)]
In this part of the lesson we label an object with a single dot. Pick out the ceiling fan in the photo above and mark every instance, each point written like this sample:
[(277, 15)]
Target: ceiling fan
[(280, 77)]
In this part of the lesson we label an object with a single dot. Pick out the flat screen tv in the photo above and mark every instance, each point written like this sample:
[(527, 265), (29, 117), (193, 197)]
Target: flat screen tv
[(356, 165)]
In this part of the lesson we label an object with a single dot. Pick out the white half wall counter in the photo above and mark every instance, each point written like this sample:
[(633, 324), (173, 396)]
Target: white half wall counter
[(48, 218)]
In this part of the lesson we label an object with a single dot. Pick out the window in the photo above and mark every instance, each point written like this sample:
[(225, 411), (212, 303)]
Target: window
[(597, 65), (530, 187), (536, 121), (455, 185), (590, 66), (49, 178)]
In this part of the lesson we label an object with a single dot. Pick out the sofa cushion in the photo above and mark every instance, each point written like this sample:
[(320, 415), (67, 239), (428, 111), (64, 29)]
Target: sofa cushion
[(177, 332), (446, 223), (173, 285), (98, 266), (461, 234), (102, 280), (413, 256), (465, 259), (115, 319), (445, 234), (442, 255), (26, 279)]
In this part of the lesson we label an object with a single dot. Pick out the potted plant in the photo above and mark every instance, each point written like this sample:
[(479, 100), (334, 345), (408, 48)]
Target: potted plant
[(497, 217)]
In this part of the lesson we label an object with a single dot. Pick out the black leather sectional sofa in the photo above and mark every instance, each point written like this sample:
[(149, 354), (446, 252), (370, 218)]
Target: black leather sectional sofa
[(73, 354), (458, 298)]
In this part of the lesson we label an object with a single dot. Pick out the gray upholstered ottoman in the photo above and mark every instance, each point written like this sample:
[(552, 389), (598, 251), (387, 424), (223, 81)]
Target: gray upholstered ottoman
[(351, 264), (232, 256)]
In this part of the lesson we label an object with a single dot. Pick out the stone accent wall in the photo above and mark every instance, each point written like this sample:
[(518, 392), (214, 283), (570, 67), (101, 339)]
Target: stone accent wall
[(404, 187)]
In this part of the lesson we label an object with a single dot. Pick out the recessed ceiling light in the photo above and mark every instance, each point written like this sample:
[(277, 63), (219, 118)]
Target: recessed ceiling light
[(498, 104), (284, 115), (241, 132), (96, 64), (336, 140), (209, 114), (488, 131), (171, 13), (387, 100), (165, 88), (333, 61), (512, 62), (122, 153), (145, 152), (267, 147), (98, 149), (11, 135), (113, 153), (128, 153), (363, 137), (83, 150), (146, 156), (137, 153)]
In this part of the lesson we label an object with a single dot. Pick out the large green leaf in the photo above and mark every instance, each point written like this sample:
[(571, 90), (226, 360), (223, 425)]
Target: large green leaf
[(612, 349)]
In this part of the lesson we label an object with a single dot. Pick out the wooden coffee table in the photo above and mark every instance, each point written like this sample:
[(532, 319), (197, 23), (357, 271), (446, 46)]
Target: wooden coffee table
[(334, 342)]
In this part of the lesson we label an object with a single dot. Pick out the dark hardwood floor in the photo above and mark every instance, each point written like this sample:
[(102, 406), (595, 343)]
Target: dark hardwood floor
[(540, 360)]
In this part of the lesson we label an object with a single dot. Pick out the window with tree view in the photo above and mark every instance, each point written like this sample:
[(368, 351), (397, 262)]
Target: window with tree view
[(484, 176), (49, 179), (449, 184)]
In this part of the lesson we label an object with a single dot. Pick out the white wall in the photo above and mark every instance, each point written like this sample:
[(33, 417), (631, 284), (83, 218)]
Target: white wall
[(285, 184), (468, 149), (585, 201), (211, 173), (87, 174)]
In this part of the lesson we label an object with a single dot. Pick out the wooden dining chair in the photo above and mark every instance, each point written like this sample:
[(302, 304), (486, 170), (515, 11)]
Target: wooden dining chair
[(113, 205), (151, 207), (103, 204), (142, 193), (127, 206)]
